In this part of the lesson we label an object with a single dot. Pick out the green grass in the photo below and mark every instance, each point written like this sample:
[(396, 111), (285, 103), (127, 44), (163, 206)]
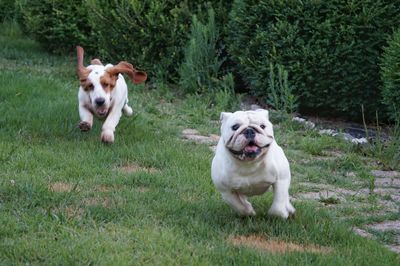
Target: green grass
[(171, 215)]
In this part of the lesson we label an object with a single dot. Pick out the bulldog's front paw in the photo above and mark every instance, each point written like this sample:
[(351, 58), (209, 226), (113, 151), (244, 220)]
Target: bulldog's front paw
[(107, 136), (281, 212), (84, 126), (248, 212)]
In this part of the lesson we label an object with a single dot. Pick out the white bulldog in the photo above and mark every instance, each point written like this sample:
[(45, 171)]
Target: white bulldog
[(248, 160)]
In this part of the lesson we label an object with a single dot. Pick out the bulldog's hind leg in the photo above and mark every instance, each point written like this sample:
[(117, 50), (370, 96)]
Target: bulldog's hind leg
[(239, 203), (281, 205)]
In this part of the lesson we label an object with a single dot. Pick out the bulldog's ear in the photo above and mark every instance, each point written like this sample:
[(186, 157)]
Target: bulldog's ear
[(224, 116), (263, 111)]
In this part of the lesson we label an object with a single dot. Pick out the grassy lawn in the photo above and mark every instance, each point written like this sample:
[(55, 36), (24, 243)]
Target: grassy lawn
[(65, 198)]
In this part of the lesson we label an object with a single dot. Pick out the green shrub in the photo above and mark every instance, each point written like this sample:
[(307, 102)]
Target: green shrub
[(151, 34), (8, 10), (59, 25), (201, 65), (280, 94), (331, 49), (391, 77)]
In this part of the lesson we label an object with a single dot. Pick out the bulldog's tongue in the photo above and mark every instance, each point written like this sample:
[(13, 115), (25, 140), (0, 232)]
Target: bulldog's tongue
[(251, 148)]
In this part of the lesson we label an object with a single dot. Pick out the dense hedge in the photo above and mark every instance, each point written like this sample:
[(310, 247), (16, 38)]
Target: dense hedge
[(391, 77), (7, 10), (59, 25), (331, 49), (150, 33)]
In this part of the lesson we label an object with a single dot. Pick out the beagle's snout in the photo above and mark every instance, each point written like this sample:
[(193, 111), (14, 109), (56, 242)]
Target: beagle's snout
[(249, 133), (100, 101)]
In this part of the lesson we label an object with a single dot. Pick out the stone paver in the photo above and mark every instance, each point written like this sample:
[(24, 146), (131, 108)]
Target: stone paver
[(386, 225)]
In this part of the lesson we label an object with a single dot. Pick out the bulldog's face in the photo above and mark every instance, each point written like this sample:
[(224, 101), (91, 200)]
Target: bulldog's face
[(247, 135)]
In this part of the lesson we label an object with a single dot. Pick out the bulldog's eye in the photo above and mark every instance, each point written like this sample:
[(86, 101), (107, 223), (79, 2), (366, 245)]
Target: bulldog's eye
[(235, 127), (262, 126)]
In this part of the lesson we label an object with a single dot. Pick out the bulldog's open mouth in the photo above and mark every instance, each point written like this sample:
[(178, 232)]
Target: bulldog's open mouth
[(249, 152)]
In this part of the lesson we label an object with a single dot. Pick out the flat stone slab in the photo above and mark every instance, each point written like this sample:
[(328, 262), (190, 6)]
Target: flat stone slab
[(387, 182), (386, 225), (394, 248), (195, 136), (380, 173), (321, 195), (190, 131), (362, 232)]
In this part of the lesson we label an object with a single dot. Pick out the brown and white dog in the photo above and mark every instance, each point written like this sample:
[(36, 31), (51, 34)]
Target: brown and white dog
[(103, 92)]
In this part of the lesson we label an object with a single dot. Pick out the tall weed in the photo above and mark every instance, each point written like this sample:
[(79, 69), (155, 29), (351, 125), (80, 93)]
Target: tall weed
[(387, 152), (199, 72), (280, 94)]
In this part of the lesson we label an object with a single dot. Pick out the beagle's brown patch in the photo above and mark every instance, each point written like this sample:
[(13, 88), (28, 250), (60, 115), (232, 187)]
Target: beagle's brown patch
[(108, 81), (275, 246)]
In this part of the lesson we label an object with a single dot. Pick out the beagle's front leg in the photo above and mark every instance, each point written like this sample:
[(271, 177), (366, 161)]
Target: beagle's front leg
[(107, 132), (86, 118)]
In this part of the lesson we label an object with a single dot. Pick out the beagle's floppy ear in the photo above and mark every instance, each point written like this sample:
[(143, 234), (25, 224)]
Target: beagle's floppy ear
[(126, 68), (82, 71), (224, 116)]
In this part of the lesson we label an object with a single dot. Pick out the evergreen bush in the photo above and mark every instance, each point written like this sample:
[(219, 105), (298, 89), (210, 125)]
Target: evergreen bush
[(331, 49), (59, 25), (7, 10), (391, 77), (201, 65), (280, 94), (152, 34)]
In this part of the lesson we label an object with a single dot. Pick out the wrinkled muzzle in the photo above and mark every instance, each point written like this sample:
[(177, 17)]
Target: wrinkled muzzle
[(248, 143)]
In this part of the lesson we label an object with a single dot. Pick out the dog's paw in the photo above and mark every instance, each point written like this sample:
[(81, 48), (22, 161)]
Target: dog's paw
[(127, 110), (107, 136), (248, 211), (84, 126), (279, 212), (290, 208)]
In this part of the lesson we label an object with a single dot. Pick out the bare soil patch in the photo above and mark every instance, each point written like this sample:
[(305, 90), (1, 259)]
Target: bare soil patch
[(275, 246), (62, 187), (142, 189), (134, 168), (105, 202), (102, 188), (70, 211)]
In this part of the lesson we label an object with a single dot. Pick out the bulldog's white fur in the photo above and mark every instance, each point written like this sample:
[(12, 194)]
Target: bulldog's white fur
[(248, 161), (103, 92)]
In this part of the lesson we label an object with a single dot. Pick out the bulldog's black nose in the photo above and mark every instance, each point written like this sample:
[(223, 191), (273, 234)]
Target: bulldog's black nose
[(100, 101), (249, 133)]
